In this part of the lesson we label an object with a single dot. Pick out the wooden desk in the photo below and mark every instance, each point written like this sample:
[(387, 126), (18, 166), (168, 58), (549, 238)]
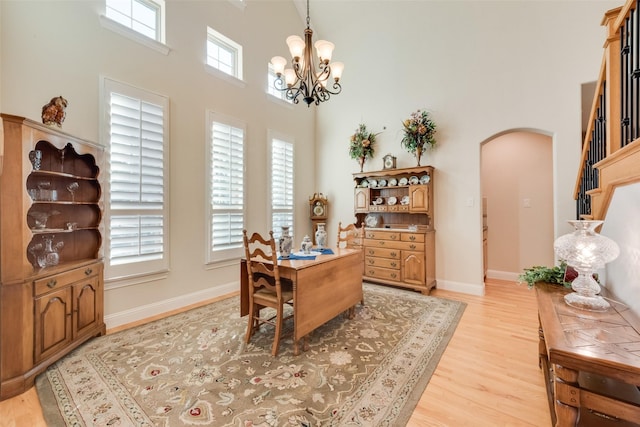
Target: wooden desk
[(322, 288), (591, 362)]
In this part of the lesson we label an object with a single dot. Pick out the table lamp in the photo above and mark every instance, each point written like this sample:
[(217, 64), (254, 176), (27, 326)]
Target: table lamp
[(586, 251)]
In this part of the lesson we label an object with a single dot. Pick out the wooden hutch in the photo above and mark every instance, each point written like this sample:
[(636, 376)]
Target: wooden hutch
[(396, 206), (51, 271)]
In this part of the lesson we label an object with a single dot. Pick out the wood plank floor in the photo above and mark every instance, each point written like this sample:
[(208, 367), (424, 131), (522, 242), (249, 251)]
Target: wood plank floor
[(488, 375)]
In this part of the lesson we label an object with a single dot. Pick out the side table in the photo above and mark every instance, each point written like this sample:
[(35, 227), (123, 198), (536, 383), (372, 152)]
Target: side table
[(591, 362)]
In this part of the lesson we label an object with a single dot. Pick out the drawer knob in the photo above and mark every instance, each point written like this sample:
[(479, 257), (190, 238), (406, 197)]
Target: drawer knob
[(52, 283), (393, 254), (393, 275), (393, 237), (412, 246), (88, 272), (381, 243), (371, 262), (371, 272), (393, 264), (412, 238)]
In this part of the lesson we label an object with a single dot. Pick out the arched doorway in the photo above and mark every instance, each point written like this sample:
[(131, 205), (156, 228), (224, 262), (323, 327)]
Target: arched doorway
[(517, 189)]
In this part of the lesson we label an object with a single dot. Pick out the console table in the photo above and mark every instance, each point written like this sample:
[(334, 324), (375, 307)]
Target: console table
[(591, 362)]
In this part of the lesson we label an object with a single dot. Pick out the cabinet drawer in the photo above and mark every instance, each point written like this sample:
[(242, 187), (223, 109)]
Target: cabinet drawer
[(48, 284), (383, 235), (412, 237), (382, 262), (382, 273), (389, 244), (382, 252)]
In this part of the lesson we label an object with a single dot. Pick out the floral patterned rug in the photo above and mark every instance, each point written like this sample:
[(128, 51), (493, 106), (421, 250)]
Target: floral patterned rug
[(194, 369)]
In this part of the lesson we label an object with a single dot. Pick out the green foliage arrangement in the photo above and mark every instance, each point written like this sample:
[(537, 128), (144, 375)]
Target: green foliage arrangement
[(419, 131), (362, 143), (538, 273)]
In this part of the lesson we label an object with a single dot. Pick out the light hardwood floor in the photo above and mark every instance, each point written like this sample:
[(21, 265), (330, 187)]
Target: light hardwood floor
[(488, 375)]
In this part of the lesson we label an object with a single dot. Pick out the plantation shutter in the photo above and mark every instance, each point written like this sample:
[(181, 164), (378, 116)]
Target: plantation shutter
[(136, 181), (281, 184), (227, 186)]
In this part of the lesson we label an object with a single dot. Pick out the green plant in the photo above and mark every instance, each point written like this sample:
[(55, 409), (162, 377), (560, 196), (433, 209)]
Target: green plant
[(538, 273), (362, 143), (419, 131)]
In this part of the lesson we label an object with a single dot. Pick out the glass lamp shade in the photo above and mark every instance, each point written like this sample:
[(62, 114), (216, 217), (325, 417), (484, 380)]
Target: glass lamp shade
[(296, 46), (336, 70), (324, 49), (586, 251), (278, 63)]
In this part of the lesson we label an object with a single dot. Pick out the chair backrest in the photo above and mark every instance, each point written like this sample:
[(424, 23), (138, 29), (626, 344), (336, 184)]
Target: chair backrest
[(350, 236), (262, 262)]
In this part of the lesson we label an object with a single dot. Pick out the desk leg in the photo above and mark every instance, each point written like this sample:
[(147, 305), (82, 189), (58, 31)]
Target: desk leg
[(567, 394)]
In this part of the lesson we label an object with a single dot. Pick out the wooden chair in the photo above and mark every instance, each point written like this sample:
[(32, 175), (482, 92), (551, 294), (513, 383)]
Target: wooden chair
[(266, 288), (351, 237)]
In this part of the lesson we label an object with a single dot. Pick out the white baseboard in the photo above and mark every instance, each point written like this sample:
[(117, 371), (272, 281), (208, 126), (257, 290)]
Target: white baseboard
[(465, 288), (502, 275), (143, 312)]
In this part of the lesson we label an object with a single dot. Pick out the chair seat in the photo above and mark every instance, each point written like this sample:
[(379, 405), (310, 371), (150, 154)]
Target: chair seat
[(272, 296)]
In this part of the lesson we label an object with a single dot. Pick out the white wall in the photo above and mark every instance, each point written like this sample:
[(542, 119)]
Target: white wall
[(622, 224), (52, 48), (481, 67)]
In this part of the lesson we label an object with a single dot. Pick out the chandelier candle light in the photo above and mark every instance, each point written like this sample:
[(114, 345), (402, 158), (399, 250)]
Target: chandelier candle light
[(586, 251), (303, 79)]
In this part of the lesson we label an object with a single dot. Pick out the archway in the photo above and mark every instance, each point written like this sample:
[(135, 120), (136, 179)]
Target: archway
[(517, 189)]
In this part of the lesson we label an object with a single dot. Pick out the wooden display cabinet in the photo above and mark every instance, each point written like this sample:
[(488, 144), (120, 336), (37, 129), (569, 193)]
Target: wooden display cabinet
[(396, 206), (51, 271)]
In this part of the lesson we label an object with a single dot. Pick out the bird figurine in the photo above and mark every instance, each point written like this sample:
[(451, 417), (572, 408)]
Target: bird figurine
[(54, 113)]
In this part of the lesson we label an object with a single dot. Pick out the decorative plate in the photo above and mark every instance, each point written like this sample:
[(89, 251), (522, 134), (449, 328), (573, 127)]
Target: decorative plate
[(373, 183), (424, 179), (372, 221), (392, 200), (404, 200), (403, 181), (393, 182), (364, 183), (414, 180), (382, 183)]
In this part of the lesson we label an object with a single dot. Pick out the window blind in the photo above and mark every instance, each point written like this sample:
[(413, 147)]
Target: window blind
[(226, 186), (281, 184), (136, 180)]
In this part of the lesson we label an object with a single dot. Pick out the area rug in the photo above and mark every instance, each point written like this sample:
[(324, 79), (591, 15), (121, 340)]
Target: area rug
[(194, 369)]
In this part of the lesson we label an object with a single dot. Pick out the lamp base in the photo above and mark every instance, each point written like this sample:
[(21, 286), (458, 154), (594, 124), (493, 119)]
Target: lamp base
[(585, 302)]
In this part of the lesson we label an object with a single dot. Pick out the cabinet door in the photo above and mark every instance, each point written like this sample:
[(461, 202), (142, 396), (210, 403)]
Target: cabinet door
[(361, 200), (52, 325), (418, 198), (413, 267), (87, 309)]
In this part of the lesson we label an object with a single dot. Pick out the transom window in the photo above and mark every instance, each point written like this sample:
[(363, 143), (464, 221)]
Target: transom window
[(224, 54), (143, 16)]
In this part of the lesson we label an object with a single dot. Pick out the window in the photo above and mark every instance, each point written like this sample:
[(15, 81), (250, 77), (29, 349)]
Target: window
[(271, 90), (225, 158), (143, 16), (282, 174), (224, 54), (137, 208)]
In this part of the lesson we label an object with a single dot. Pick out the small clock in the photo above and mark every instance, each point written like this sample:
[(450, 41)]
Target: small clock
[(318, 205), (389, 162)]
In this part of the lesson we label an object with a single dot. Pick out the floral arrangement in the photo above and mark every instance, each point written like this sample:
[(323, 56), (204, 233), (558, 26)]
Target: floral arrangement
[(362, 143), (418, 132)]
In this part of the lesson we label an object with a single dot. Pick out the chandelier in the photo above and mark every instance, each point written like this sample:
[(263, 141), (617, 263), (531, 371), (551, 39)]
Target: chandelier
[(303, 79)]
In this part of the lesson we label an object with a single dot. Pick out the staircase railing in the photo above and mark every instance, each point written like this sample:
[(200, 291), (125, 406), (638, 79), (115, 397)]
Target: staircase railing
[(611, 148)]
